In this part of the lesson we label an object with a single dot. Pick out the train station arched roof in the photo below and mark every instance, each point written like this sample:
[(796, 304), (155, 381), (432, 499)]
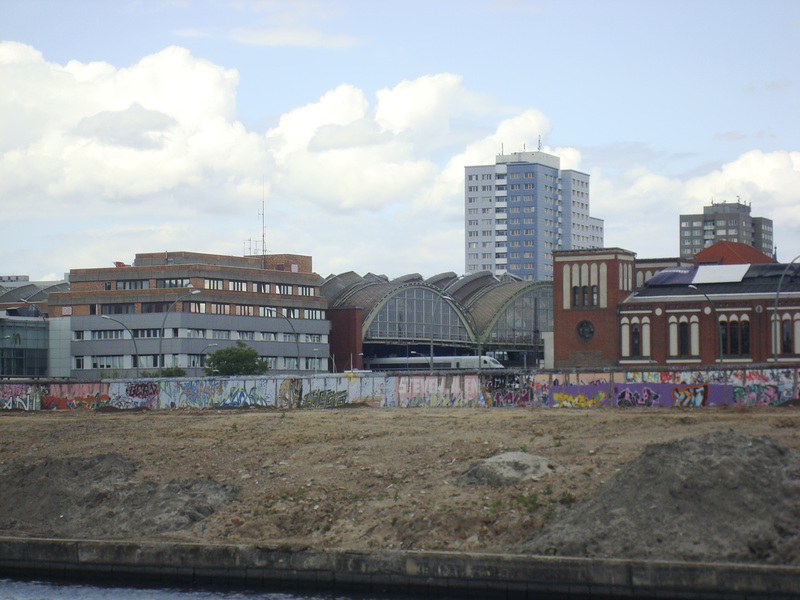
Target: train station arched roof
[(478, 312)]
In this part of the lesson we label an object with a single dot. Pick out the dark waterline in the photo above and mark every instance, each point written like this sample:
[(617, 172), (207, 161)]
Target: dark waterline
[(11, 589)]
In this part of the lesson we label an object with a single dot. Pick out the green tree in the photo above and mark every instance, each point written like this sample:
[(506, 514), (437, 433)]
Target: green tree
[(236, 360)]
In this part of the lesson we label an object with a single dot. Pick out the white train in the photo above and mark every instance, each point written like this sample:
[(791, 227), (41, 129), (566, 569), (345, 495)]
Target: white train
[(440, 363)]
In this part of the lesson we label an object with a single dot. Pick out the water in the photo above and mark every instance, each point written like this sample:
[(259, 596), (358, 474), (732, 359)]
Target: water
[(41, 590)]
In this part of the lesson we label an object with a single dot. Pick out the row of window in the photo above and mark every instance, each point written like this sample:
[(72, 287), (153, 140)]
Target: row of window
[(190, 361), (211, 308), (734, 337), (215, 334), (283, 289)]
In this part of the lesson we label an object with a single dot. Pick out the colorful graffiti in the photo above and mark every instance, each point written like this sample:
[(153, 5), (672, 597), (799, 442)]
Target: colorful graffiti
[(19, 396), (755, 394), (690, 396), (446, 390), (72, 396), (567, 400), (324, 399), (631, 397), (683, 389)]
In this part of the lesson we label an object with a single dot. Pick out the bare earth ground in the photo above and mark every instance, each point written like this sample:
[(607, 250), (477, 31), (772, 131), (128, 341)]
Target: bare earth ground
[(707, 484)]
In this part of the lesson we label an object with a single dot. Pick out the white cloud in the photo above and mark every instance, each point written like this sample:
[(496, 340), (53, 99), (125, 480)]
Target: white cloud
[(101, 162), (641, 209), (292, 36)]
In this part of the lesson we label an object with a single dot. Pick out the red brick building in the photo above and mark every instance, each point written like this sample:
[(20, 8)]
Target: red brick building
[(723, 312)]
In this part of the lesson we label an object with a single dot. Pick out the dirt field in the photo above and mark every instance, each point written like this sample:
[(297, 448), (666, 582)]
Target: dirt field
[(638, 483)]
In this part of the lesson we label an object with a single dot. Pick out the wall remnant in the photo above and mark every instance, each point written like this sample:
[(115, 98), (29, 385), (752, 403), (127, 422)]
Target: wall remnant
[(625, 389)]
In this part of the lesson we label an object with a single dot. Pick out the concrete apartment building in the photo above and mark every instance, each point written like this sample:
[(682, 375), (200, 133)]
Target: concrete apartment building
[(520, 210), (183, 306), (728, 222)]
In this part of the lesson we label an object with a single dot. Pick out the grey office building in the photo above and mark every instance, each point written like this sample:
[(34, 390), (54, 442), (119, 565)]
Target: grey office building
[(725, 221), (522, 208)]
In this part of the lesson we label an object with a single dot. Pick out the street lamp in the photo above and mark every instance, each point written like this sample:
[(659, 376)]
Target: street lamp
[(777, 328), (203, 352), (163, 324), (439, 299), (294, 332), (351, 359), (716, 319), (430, 359), (3, 355), (135, 347)]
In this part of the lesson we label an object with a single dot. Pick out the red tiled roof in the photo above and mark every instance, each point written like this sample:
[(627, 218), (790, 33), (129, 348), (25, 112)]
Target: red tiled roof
[(731, 253)]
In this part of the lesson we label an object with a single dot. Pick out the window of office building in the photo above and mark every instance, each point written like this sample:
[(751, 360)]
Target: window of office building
[(118, 309), (175, 282), (134, 284)]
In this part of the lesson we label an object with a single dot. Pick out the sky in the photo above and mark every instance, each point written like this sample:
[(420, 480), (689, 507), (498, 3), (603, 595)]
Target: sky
[(340, 129)]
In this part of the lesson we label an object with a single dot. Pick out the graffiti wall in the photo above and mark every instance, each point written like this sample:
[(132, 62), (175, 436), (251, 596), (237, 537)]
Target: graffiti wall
[(683, 389)]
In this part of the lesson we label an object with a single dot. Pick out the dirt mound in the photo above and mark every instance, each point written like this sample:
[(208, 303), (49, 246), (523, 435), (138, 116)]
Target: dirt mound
[(98, 497), (509, 468), (721, 497)]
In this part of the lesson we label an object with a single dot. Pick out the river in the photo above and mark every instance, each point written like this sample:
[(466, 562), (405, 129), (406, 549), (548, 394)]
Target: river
[(41, 590)]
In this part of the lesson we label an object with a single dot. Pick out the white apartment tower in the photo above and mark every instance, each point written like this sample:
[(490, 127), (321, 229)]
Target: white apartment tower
[(520, 209)]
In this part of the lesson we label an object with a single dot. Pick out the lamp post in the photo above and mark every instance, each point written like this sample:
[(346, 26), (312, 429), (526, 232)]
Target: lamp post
[(135, 347), (439, 299), (777, 325), (163, 324), (430, 359), (294, 332), (3, 355), (203, 352), (716, 319)]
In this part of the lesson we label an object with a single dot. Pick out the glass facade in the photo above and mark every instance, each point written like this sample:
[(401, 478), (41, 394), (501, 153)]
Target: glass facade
[(417, 314), (23, 347), (522, 323)]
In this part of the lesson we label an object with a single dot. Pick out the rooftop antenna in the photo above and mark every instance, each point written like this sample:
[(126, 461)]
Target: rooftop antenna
[(263, 228), (540, 143)]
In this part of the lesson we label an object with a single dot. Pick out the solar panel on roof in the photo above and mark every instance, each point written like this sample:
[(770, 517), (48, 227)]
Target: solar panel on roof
[(720, 273)]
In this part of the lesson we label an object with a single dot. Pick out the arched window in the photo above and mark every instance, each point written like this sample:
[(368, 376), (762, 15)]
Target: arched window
[(625, 337), (786, 337), (636, 340), (683, 339)]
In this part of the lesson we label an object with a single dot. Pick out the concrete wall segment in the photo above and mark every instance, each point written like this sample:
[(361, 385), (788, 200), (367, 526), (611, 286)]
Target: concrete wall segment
[(553, 389)]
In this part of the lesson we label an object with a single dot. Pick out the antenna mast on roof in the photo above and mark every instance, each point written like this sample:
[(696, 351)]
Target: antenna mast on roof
[(540, 143), (263, 228)]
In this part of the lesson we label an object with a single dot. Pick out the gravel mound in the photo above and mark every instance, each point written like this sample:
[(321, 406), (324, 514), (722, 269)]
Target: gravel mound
[(722, 497), (508, 468), (96, 497)]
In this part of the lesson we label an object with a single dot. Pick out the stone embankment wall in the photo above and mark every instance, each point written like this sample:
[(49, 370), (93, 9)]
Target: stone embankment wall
[(690, 388), (428, 574)]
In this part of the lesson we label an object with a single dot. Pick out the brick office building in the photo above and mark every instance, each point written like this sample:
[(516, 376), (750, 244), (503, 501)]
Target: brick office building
[(182, 306), (718, 313)]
